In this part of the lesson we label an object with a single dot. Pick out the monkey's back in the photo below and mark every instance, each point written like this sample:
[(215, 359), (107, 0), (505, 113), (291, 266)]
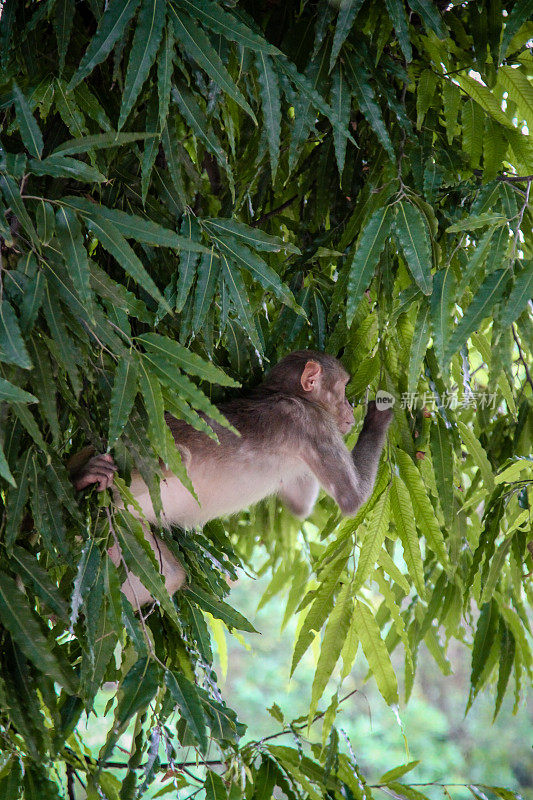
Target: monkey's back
[(236, 471)]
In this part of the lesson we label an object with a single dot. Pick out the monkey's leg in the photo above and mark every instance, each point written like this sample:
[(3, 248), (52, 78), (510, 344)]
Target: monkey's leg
[(172, 571), (300, 494)]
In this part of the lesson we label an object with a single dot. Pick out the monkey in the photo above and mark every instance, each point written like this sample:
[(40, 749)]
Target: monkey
[(291, 444)]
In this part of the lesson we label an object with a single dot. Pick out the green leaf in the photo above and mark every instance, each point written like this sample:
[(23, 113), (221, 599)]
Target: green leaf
[(12, 347), (140, 560), (20, 620), (271, 106), (269, 279), (424, 512), (112, 240), (12, 393), (111, 28), (332, 644), (64, 347), (73, 249), (345, 19), (61, 167), (186, 696), (441, 303), (217, 19), (396, 11), (206, 284), (507, 657), (200, 126), (429, 13), (29, 130), (45, 386), (412, 231), (153, 402), (165, 68), (239, 296), (486, 297), (485, 635), (215, 788), (520, 13), (145, 45), (397, 772), (135, 693), (198, 47), (442, 457), (419, 345), (30, 568), (475, 221), (63, 21), (122, 397), (45, 220), (425, 92), (17, 496), (341, 102), (404, 518), (320, 607), (131, 226), (376, 530), (376, 652), (13, 199), (253, 237), (521, 294), (5, 472), (218, 609), (366, 257), (98, 141), (451, 100), (185, 359), (477, 452), (359, 78), (86, 574), (484, 97), (169, 140)]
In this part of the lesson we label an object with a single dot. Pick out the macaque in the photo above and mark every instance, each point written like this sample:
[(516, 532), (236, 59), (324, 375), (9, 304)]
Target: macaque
[(291, 444)]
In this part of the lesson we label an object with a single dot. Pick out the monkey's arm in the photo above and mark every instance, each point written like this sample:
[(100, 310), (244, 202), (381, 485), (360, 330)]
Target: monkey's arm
[(349, 477), (300, 494)]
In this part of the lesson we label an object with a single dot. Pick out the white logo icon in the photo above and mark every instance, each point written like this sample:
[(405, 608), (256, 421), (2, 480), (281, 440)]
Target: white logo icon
[(384, 400)]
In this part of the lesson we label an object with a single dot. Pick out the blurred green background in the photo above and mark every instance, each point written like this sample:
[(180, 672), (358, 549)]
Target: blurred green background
[(452, 748)]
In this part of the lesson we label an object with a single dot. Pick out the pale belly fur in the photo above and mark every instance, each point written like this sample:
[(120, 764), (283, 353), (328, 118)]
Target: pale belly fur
[(221, 491)]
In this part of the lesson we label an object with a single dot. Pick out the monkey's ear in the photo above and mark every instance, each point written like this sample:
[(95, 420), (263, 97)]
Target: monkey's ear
[(310, 376)]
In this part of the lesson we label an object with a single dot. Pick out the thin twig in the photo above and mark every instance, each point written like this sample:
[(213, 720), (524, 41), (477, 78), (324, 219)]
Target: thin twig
[(70, 782), (522, 357), (274, 211)]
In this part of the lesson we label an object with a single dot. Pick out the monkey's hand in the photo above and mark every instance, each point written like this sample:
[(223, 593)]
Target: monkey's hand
[(99, 469), (377, 421)]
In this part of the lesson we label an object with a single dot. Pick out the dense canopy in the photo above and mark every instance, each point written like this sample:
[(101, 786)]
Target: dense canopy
[(189, 190)]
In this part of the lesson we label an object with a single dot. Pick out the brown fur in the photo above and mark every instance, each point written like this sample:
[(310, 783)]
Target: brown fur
[(291, 441)]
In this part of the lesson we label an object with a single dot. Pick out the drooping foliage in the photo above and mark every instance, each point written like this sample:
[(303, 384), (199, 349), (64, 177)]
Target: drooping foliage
[(189, 190)]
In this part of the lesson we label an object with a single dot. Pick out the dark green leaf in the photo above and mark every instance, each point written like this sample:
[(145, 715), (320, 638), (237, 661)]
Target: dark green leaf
[(366, 257), (186, 696), (122, 397), (19, 619), (412, 231), (72, 245), (198, 47), (110, 29), (12, 347), (29, 130), (488, 294), (143, 50)]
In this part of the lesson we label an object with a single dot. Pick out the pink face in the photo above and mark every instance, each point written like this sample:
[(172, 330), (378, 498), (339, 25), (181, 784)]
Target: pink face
[(342, 407)]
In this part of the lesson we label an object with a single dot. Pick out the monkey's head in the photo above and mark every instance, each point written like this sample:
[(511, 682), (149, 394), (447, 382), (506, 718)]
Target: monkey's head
[(319, 378)]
